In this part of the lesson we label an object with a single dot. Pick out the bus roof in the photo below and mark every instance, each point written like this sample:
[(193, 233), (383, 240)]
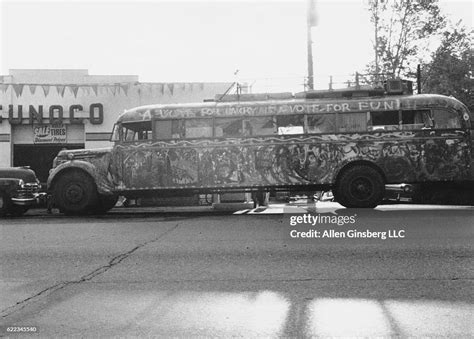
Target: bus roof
[(289, 106)]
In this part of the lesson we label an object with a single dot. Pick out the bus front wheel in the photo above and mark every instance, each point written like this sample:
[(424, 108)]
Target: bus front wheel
[(75, 193), (360, 187)]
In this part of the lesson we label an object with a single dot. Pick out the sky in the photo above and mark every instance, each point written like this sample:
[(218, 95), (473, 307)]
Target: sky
[(261, 42)]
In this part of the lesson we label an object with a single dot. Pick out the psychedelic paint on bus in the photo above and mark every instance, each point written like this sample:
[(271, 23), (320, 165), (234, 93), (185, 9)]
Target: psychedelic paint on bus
[(402, 156)]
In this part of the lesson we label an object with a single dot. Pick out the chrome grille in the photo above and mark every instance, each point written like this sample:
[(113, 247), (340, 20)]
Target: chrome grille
[(29, 189)]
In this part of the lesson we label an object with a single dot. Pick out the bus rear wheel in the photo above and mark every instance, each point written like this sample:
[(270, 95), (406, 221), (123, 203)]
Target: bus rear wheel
[(75, 193), (360, 186)]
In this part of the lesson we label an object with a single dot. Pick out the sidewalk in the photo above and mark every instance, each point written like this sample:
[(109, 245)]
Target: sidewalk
[(223, 207)]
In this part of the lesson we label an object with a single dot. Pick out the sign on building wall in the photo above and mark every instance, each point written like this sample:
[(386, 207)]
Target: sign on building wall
[(49, 134), (55, 114)]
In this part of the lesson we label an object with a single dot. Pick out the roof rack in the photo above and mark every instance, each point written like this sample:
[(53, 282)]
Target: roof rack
[(341, 93), (253, 97), (389, 87)]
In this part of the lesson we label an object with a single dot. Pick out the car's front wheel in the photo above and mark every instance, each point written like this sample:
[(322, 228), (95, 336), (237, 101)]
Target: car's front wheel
[(17, 211), (4, 199)]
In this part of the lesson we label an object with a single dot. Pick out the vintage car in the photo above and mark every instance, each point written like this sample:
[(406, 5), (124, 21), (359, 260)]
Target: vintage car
[(19, 190)]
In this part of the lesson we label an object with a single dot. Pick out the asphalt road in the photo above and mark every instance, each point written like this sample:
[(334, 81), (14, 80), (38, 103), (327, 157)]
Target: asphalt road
[(189, 272)]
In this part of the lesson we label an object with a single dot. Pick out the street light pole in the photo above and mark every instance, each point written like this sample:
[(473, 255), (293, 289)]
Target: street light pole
[(310, 60), (310, 22)]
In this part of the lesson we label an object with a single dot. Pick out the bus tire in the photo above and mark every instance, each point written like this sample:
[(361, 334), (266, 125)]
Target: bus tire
[(360, 186), (75, 193)]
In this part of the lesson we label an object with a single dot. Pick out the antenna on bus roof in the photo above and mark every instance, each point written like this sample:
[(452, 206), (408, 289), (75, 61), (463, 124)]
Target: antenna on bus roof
[(235, 83)]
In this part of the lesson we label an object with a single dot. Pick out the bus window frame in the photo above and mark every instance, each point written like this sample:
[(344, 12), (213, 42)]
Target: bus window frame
[(274, 126), (461, 120), (338, 124), (125, 130), (195, 118), (425, 112), (299, 116), (153, 129), (383, 128), (116, 131), (400, 125), (243, 123), (307, 126)]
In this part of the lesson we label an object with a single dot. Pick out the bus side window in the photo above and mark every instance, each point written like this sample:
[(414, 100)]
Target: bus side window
[(177, 129), (117, 133), (198, 128), (290, 124), (128, 134), (137, 131), (263, 125), (322, 123), (247, 128), (383, 120), (416, 119), (446, 119), (162, 129), (352, 122), (228, 127), (168, 129)]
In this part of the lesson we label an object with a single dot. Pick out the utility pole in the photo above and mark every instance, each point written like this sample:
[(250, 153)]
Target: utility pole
[(376, 31), (311, 21)]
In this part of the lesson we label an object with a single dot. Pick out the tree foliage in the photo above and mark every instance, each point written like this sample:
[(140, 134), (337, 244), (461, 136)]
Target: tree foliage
[(450, 70), (401, 32)]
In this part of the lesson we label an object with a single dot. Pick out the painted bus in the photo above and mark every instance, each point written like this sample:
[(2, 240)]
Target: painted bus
[(352, 142)]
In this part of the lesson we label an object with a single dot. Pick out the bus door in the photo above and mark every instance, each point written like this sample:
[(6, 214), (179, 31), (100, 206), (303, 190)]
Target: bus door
[(175, 154), (133, 156), (455, 154)]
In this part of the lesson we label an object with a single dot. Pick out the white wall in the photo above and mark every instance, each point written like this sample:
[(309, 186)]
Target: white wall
[(98, 144), (75, 87), (5, 155)]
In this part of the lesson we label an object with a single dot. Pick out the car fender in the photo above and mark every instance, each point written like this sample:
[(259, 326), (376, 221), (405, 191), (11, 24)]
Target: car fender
[(8, 185)]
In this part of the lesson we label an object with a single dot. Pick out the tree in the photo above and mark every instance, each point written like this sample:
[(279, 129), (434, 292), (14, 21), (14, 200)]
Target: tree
[(401, 32), (450, 70)]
